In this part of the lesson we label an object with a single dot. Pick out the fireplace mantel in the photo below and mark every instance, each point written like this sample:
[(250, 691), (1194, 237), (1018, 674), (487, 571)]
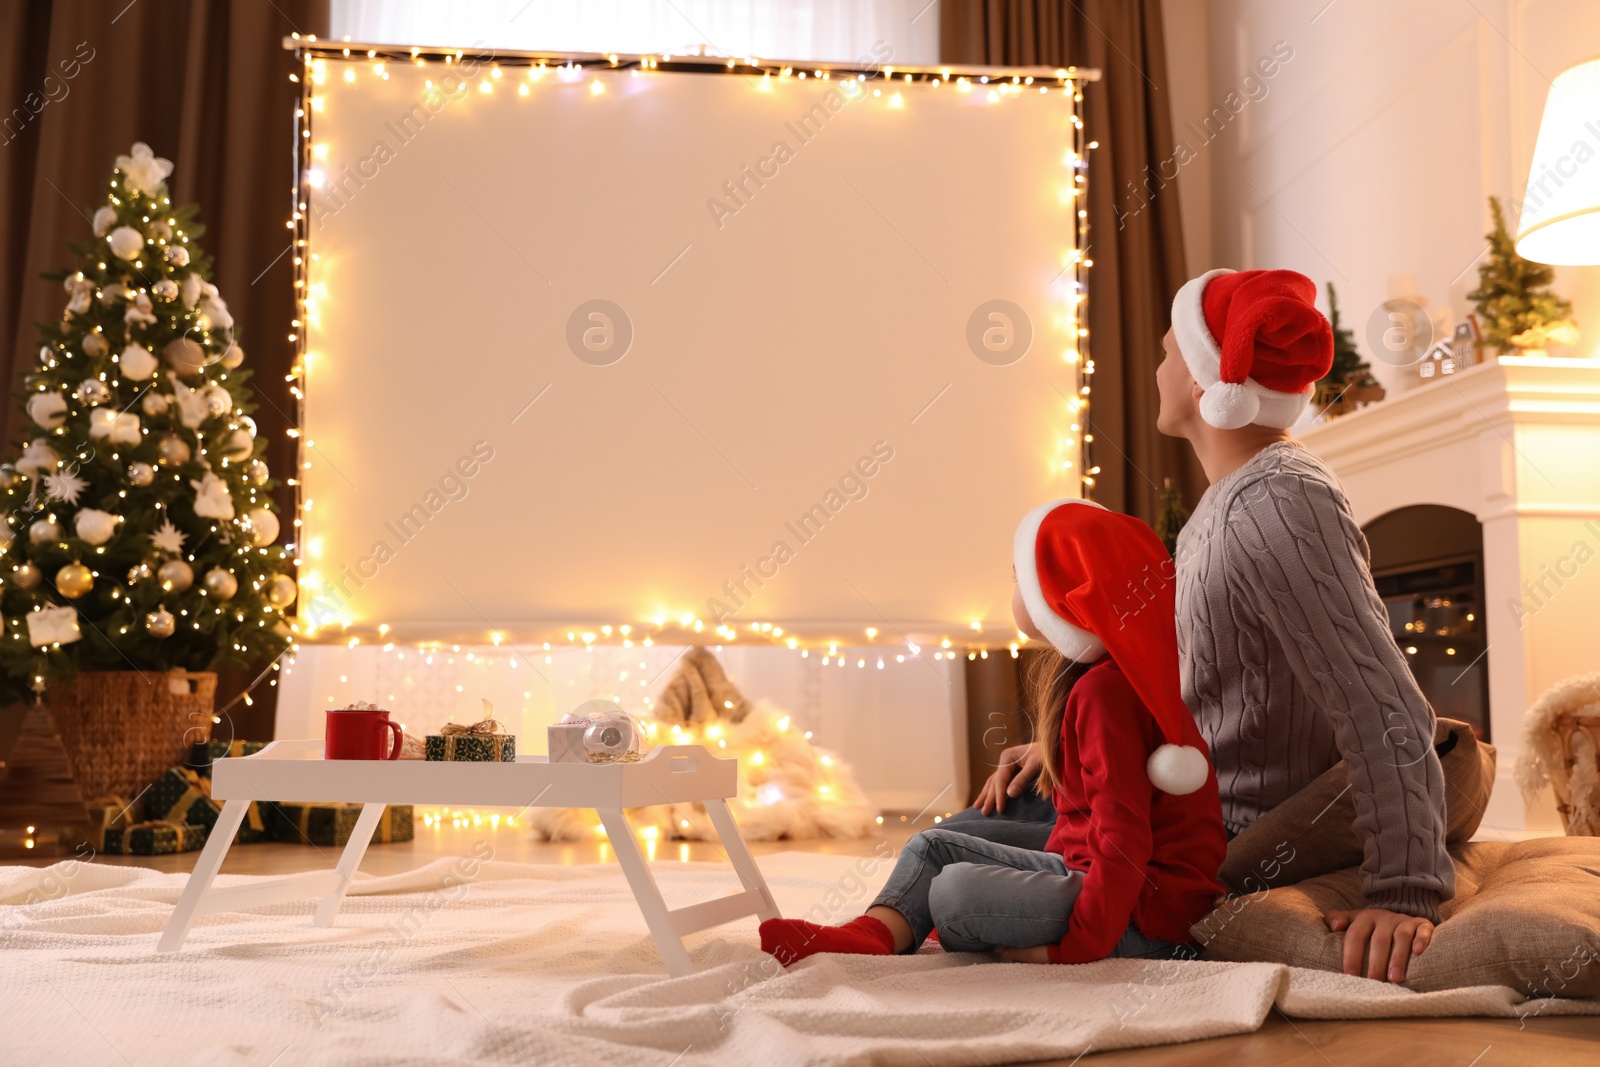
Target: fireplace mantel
[(1515, 443)]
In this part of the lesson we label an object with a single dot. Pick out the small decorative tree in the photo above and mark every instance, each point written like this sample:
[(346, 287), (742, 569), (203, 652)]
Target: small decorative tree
[(140, 531), (1513, 299), (1171, 518), (1349, 383)]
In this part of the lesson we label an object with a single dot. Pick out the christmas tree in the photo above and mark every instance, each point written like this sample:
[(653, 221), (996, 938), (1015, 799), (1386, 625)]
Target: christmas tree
[(1171, 518), (141, 531), (1513, 299), (1348, 366)]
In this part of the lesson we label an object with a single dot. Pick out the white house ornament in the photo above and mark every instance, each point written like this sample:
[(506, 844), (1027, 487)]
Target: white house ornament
[(38, 458), (281, 590), (142, 170), (93, 391), (53, 626), (141, 474), (263, 526), (44, 530), (173, 450), (126, 242), (175, 575), (211, 497), (94, 526), (74, 580), (48, 410), (103, 218), (221, 584), (26, 577), (137, 363), (160, 623), (95, 345)]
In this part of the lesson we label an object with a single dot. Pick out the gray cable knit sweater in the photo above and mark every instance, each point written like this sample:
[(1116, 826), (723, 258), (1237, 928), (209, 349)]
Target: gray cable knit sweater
[(1289, 665)]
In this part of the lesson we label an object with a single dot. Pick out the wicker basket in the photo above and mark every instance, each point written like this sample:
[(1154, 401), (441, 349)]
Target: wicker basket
[(1580, 740), (121, 729)]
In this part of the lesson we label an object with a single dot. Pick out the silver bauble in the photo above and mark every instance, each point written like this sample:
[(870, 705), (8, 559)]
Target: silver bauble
[(92, 391), (160, 623), (44, 530), (173, 450), (154, 403), (25, 576), (233, 356), (185, 356), (258, 472), (141, 474), (221, 584), (281, 590), (139, 572), (175, 575)]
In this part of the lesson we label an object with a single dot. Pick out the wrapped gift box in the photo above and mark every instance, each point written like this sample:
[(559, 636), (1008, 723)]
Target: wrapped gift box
[(154, 838), (332, 824), (474, 748), (566, 742), (215, 750), (184, 795), (105, 813)]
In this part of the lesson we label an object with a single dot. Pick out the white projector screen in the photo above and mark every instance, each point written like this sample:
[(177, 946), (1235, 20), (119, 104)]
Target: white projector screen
[(617, 347)]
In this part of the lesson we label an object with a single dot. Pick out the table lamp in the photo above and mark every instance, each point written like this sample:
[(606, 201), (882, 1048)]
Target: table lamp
[(1561, 212)]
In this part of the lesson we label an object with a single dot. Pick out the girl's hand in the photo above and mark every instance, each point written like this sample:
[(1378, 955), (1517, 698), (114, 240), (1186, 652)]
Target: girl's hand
[(1019, 766), (1037, 954)]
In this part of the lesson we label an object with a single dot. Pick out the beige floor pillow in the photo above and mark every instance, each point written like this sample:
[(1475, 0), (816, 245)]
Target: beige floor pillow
[(1525, 915), (1313, 832)]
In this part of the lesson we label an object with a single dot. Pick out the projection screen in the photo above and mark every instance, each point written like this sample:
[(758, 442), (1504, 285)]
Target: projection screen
[(702, 352)]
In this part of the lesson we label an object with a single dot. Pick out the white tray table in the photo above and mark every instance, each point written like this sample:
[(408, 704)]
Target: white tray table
[(295, 770)]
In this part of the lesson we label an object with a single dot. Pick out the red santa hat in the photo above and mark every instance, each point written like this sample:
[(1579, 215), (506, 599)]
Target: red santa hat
[(1096, 582), (1255, 342)]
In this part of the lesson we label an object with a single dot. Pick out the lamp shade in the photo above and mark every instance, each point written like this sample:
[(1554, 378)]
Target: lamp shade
[(1561, 211)]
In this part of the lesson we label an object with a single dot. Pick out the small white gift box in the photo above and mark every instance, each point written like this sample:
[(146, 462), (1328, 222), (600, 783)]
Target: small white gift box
[(566, 742)]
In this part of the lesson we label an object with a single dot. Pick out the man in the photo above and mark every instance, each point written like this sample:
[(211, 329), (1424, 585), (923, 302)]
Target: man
[(1287, 659)]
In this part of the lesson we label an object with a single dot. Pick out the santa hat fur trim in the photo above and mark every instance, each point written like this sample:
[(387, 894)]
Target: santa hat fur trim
[(1075, 643), (1229, 405)]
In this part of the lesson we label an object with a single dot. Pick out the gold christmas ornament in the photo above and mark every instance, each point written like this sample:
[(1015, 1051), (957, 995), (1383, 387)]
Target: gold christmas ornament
[(281, 590), (221, 584), (26, 576), (74, 580), (141, 474), (175, 575), (173, 450), (139, 572), (185, 356), (44, 530), (160, 623), (233, 357)]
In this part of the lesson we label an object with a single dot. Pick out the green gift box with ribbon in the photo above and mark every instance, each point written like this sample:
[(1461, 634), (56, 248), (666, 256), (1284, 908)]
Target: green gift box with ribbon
[(216, 750), (183, 795), (154, 838), (484, 741), (332, 824)]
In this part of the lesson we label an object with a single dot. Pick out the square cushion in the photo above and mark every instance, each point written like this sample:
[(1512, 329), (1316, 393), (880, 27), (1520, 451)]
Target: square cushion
[(1525, 915)]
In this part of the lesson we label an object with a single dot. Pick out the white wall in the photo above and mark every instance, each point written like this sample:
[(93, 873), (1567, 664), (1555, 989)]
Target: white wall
[(1374, 149)]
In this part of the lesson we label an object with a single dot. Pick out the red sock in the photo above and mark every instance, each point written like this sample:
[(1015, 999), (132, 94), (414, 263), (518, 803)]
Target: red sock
[(792, 940)]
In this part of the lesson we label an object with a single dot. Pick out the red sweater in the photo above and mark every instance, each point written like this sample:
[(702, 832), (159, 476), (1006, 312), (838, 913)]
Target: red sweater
[(1149, 857)]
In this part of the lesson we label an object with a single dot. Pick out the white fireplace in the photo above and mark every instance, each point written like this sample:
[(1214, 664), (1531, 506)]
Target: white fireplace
[(1516, 444)]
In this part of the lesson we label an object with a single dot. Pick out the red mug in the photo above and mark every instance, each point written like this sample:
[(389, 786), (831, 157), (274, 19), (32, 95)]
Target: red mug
[(359, 734)]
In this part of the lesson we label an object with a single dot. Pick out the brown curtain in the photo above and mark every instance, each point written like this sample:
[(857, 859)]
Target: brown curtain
[(1137, 267), (206, 84)]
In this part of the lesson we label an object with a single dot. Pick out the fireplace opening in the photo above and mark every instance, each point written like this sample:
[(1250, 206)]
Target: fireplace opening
[(1427, 562)]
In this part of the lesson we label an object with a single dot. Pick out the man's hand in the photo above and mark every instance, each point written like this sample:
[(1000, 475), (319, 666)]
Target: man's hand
[(1388, 939), (1019, 766), (1036, 954)]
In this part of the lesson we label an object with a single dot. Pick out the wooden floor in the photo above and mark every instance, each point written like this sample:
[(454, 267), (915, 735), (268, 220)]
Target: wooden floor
[(1281, 1042)]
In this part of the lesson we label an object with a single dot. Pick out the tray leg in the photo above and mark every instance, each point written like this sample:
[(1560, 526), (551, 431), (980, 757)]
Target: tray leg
[(354, 849), (218, 841), (739, 856), (645, 891)]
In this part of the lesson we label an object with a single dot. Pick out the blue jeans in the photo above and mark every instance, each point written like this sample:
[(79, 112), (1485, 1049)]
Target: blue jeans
[(1026, 822), (981, 896)]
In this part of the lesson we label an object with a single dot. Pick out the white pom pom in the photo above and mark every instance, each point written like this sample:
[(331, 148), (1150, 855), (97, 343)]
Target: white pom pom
[(1177, 769), (1229, 405)]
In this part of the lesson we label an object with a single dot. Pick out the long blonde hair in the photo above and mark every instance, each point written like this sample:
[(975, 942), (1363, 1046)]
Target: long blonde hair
[(1051, 677)]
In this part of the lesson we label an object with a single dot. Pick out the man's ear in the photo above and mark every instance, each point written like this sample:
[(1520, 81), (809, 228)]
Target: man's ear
[(1197, 390)]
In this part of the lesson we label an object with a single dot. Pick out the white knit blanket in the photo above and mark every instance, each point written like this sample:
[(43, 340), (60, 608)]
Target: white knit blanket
[(534, 964)]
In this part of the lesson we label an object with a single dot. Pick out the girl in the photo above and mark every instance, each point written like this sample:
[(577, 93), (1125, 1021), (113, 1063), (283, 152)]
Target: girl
[(1133, 859)]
